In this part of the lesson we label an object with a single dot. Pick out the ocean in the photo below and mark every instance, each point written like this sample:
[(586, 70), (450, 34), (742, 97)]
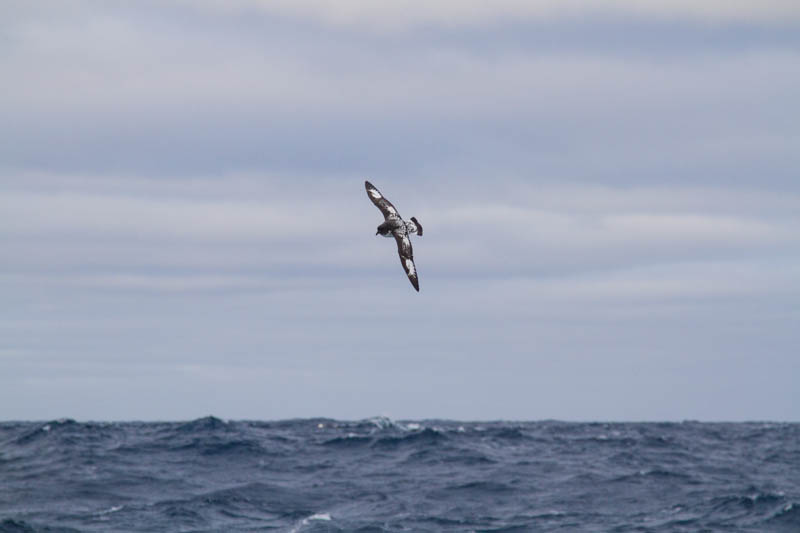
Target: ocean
[(322, 475)]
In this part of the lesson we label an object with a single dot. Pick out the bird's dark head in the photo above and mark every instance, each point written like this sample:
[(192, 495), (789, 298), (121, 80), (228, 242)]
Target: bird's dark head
[(384, 229)]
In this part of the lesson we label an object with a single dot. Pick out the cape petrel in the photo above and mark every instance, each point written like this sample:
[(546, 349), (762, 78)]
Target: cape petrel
[(394, 226)]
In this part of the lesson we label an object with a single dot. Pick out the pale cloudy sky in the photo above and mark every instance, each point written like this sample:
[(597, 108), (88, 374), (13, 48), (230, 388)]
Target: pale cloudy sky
[(610, 195)]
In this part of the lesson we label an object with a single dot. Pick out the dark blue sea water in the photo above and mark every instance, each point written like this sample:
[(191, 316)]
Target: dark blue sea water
[(322, 475)]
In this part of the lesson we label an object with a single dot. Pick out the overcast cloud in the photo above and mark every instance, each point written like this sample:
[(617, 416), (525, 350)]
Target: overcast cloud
[(611, 203)]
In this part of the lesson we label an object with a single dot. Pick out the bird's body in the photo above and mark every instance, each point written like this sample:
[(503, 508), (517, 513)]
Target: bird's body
[(389, 227), (393, 225)]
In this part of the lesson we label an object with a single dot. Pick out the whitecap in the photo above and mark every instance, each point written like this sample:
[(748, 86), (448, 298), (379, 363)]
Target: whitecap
[(113, 509), (304, 522), (382, 422)]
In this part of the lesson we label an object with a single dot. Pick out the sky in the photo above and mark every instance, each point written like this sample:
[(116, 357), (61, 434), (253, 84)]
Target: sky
[(610, 195)]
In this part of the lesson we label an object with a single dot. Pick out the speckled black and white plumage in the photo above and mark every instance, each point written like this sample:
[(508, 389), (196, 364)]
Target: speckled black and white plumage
[(394, 226)]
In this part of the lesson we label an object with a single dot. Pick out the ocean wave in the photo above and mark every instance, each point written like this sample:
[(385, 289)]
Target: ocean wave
[(20, 526), (320, 517), (46, 430), (787, 517), (426, 436), (379, 474), (753, 499), (658, 475), (351, 440), (481, 487), (205, 424)]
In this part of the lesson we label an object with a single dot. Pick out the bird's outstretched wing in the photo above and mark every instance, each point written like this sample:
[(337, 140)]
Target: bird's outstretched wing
[(380, 202), (406, 254)]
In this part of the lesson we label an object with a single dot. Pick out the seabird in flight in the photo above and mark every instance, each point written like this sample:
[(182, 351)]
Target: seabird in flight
[(394, 226)]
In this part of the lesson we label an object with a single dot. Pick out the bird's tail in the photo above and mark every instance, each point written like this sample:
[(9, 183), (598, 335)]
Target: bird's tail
[(418, 225)]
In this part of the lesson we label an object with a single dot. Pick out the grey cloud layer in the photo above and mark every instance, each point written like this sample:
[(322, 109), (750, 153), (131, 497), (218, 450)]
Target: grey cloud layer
[(400, 15), (221, 92), (511, 228)]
